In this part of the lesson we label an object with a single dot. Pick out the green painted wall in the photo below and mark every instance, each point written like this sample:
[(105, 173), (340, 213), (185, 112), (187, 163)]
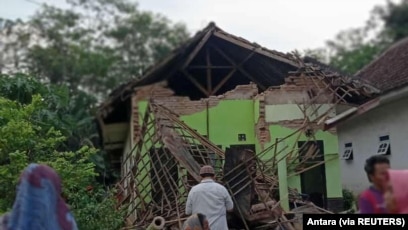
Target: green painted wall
[(228, 119), (333, 178), (276, 113), (232, 117), (143, 177), (283, 178), (197, 121)]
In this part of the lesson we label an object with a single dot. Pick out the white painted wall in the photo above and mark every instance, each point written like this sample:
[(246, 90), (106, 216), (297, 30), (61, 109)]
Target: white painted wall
[(364, 132)]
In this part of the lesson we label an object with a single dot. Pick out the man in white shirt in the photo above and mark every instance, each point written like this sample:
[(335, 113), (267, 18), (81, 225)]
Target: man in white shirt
[(211, 199)]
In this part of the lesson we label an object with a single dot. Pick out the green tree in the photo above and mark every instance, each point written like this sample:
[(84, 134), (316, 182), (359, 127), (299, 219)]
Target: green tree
[(26, 139), (94, 45), (352, 60), (395, 19), (352, 49), (71, 114)]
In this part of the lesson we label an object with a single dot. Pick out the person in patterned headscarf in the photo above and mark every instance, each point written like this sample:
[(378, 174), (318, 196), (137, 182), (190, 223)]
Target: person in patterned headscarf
[(196, 222), (38, 204)]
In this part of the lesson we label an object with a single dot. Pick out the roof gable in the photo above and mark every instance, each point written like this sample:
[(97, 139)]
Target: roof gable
[(211, 37), (252, 63), (212, 63)]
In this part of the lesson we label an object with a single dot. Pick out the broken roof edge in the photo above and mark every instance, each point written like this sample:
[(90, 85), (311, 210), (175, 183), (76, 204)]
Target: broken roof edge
[(204, 34), (327, 69), (377, 102), (324, 66)]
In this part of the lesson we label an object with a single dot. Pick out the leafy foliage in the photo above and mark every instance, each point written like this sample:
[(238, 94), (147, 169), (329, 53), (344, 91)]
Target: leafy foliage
[(395, 18), (36, 124), (95, 45), (352, 49), (76, 56), (71, 114), (349, 199), (350, 61)]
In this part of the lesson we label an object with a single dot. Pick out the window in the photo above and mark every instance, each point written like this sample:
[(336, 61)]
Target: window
[(241, 137), (384, 147), (348, 152)]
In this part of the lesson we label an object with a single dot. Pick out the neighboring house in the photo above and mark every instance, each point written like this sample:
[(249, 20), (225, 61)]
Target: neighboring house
[(379, 126), (217, 94)]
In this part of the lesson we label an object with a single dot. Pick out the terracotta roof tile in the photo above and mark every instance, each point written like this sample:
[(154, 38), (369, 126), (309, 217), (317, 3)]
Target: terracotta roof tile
[(390, 69)]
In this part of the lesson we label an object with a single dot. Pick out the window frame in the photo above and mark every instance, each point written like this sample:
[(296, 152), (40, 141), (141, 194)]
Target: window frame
[(384, 145), (348, 151)]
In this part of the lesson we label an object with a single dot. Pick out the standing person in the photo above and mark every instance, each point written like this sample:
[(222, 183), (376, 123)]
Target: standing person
[(38, 204), (372, 200), (210, 199)]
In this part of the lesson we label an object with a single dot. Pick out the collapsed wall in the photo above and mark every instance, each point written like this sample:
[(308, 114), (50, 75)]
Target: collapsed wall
[(168, 153)]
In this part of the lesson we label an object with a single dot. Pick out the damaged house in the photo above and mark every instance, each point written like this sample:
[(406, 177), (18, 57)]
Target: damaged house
[(255, 114), (380, 125)]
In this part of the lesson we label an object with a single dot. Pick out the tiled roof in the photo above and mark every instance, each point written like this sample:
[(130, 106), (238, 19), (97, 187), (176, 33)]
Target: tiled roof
[(390, 70)]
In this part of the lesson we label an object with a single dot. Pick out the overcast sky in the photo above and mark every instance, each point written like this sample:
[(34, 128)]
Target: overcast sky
[(282, 25)]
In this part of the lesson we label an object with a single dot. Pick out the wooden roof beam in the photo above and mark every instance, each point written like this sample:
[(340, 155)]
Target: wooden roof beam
[(197, 49), (223, 81), (211, 67), (238, 66), (258, 49), (196, 83), (209, 81), (230, 74)]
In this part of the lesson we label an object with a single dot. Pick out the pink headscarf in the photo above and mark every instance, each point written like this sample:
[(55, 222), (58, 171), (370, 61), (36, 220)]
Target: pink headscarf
[(399, 182)]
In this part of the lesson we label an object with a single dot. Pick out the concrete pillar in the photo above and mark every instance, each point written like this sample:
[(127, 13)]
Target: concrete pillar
[(283, 176)]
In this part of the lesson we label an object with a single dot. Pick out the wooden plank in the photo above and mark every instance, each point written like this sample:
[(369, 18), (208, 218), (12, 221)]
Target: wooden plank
[(222, 53), (197, 49), (237, 178), (229, 75), (195, 82), (211, 67), (252, 47), (209, 82), (223, 81)]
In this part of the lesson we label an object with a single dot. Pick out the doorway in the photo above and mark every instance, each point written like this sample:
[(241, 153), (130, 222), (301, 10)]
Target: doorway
[(203, 156), (242, 147), (239, 171), (313, 181)]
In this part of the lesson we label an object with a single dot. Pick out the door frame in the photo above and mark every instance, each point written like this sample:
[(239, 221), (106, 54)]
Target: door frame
[(245, 146), (322, 167)]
